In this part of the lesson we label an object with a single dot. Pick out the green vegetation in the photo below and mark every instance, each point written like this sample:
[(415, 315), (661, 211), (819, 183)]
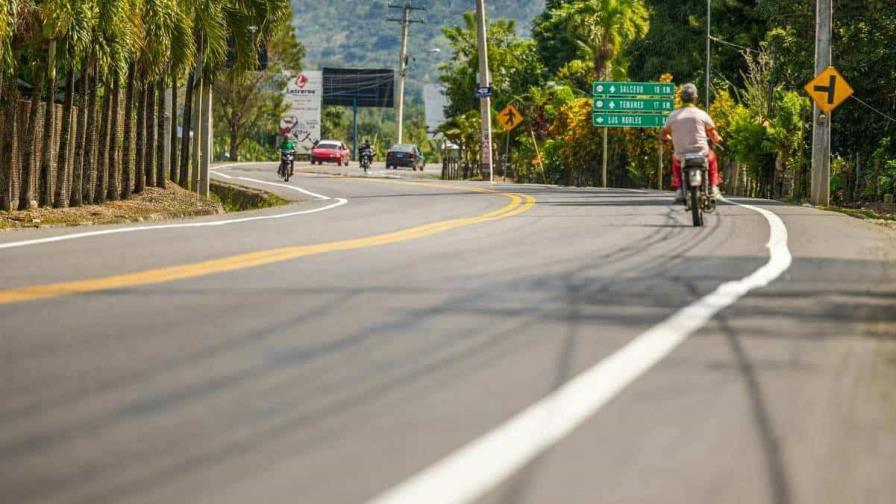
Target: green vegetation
[(763, 56), (237, 198), (113, 61)]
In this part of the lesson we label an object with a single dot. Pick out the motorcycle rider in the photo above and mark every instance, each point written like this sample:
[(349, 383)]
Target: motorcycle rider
[(365, 151), (691, 130), (288, 144)]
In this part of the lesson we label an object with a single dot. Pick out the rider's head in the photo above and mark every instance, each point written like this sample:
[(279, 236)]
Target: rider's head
[(689, 93)]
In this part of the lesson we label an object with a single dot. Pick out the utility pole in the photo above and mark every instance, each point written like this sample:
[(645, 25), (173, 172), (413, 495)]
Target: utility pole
[(485, 104), (406, 22), (821, 133), (708, 50)]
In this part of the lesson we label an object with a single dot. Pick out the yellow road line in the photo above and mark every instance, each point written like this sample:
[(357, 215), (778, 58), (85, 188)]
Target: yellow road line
[(518, 204)]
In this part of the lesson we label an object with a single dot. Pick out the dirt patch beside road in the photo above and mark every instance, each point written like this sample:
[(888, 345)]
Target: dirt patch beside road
[(152, 205)]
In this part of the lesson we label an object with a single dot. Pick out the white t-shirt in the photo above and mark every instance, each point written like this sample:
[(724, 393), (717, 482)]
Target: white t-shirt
[(688, 125)]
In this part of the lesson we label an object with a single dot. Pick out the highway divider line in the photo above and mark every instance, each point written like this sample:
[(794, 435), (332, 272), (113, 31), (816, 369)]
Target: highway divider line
[(473, 470), (134, 229), (518, 204)]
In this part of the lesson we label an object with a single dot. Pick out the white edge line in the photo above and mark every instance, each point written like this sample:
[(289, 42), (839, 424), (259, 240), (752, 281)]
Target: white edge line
[(475, 469), (338, 202)]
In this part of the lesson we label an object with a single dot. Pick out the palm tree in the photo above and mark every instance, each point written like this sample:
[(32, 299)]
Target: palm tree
[(9, 13), (160, 137), (603, 28), (150, 134), (184, 176), (114, 172), (88, 162), (59, 199), (99, 190), (74, 45), (139, 143), (26, 191), (127, 151)]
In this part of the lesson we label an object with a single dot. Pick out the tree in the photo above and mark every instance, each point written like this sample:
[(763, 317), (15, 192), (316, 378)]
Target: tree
[(250, 103), (594, 31)]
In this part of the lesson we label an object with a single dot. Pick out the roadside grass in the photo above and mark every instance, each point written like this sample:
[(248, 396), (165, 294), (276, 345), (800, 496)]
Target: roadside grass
[(876, 217), (152, 205), (235, 198)]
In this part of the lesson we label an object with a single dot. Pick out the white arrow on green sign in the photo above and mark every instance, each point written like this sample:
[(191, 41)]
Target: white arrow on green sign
[(628, 120), (634, 105), (634, 89)]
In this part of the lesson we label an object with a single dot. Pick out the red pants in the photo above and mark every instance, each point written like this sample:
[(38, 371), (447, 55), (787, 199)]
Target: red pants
[(714, 178)]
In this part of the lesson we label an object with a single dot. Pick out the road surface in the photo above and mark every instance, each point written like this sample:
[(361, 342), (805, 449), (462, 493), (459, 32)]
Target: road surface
[(357, 344)]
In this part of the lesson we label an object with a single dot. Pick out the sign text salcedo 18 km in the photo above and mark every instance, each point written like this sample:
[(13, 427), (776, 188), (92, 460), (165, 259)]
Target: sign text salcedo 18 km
[(632, 104)]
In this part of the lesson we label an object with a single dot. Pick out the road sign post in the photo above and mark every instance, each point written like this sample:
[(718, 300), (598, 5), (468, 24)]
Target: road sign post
[(821, 125), (630, 105)]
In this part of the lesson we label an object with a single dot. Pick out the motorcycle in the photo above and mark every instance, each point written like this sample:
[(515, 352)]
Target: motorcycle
[(365, 161), (697, 198), (286, 160)]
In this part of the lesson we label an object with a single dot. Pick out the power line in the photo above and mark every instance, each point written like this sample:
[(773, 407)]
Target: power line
[(732, 44), (882, 114)]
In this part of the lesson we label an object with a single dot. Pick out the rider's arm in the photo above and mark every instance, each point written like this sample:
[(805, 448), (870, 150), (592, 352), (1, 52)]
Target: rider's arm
[(714, 136), (666, 134)]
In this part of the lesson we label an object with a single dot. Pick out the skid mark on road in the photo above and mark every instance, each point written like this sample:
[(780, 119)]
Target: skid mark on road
[(517, 205), (477, 468)]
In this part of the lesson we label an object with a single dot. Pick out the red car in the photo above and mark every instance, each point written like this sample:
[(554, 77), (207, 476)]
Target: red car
[(330, 151)]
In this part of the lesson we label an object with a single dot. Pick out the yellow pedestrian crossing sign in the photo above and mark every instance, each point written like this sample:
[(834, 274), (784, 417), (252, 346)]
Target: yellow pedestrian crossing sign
[(829, 89), (510, 118)]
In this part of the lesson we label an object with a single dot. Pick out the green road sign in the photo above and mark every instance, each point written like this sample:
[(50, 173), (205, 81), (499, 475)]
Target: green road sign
[(634, 105), (628, 120), (634, 89)]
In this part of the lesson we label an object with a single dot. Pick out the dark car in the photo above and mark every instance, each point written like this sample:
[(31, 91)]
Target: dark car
[(407, 155)]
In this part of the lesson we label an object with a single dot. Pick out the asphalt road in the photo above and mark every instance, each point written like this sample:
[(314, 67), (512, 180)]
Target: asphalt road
[(345, 346)]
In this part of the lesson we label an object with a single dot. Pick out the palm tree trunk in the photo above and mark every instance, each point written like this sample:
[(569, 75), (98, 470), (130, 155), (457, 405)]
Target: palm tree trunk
[(184, 178), (74, 197), (46, 152), (140, 162), (26, 194), (90, 138), (150, 134), (99, 191), (9, 143), (127, 151), (160, 137), (173, 159), (114, 136), (59, 198)]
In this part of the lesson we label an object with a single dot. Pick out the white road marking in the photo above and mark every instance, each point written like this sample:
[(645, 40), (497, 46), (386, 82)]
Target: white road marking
[(90, 234), (287, 186), (475, 469)]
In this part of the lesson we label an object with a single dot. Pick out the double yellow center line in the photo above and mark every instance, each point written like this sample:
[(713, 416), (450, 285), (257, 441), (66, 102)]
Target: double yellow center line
[(517, 205)]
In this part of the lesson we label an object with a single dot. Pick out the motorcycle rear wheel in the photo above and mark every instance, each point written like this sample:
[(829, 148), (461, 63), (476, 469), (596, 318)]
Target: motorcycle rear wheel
[(696, 207)]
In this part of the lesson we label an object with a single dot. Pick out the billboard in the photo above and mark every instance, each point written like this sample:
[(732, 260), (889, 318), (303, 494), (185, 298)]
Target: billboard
[(362, 87), (434, 103), (304, 93)]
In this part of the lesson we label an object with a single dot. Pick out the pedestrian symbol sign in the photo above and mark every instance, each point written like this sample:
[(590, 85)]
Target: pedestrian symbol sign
[(510, 118), (829, 89)]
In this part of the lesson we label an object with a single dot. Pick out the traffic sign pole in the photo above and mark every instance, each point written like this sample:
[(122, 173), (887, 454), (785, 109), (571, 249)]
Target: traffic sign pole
[(821, 133), (485, 103)]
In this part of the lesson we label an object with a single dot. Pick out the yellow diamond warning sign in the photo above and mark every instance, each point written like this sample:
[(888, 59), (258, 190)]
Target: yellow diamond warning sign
[(510, 118), (829, 89)]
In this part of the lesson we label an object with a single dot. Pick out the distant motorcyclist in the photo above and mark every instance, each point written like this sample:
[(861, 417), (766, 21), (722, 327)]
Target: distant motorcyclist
[(691, 130), (288, 145), (365, 152)]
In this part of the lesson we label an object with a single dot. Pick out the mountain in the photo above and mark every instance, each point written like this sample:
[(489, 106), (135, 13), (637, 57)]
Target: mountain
[(357, 33)]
